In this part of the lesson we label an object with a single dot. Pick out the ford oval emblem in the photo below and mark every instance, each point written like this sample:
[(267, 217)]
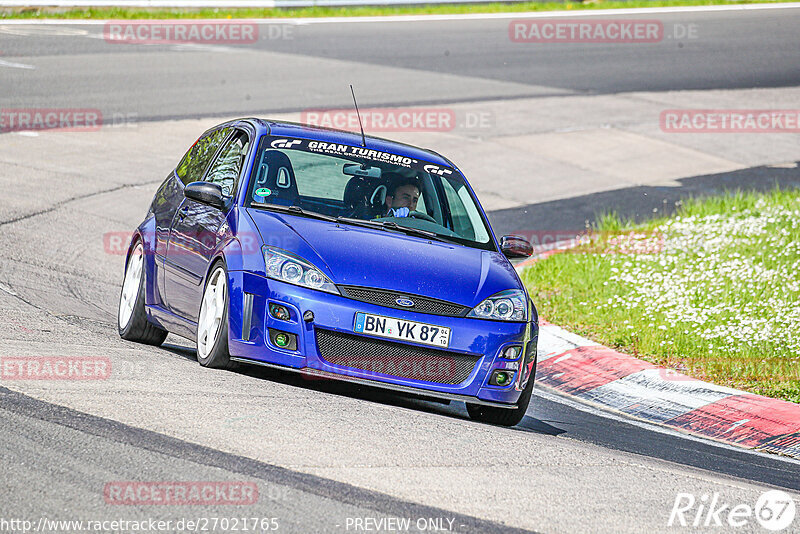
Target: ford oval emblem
[(406, 303)]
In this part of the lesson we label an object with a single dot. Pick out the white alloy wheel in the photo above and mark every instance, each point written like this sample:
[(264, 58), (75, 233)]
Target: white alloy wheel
[(130, 286), (212, 313)]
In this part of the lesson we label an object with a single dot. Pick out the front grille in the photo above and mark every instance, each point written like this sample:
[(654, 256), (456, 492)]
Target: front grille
[(394, 359), (388, 299)]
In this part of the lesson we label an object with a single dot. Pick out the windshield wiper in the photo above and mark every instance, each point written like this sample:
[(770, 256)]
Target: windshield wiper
[(295, 210), (410, 230), (361, 222), (380, 225), (390, 225)]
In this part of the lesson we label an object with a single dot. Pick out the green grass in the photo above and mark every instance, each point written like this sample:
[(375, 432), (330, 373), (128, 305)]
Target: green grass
[(713, 292), (366, 11)]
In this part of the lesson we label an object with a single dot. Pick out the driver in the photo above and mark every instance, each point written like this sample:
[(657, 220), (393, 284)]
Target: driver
[(402, 195)]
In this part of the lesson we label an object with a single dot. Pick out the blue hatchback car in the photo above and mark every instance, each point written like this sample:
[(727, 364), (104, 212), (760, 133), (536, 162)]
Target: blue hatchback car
[(338, 256)]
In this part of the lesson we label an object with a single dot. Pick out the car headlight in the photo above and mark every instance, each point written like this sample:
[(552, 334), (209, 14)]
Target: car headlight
[(292, 269), (508, 305)]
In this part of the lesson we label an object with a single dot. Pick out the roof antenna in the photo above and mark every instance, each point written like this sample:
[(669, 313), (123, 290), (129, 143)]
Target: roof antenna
[(363, 137)]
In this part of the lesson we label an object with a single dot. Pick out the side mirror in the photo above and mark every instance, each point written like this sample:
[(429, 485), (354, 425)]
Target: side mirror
[(515, 246), (205, 192)]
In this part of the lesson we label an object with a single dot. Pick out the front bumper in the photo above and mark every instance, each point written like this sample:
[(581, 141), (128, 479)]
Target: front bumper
[(475, 344)]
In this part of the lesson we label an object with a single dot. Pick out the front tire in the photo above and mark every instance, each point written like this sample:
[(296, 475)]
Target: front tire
[(132, 322), (503, 416), (212, 323)]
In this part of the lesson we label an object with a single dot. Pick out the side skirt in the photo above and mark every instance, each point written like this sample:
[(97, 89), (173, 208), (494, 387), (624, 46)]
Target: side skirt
[(171, 322)]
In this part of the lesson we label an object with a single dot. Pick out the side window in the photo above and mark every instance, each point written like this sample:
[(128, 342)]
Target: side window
[(226, 168), (191, 167), (461, 223), (467, 221)]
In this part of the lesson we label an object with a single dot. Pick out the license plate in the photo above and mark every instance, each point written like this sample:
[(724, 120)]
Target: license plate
[(378, 325)]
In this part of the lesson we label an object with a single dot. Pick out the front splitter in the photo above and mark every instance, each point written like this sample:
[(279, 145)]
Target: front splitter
[(374, 383)]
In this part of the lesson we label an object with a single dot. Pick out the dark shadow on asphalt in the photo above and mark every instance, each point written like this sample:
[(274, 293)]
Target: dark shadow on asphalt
[(538, 426), (358, 391), (334, 387), (185, 352), (641, 203), (318, 384), (373, 394)]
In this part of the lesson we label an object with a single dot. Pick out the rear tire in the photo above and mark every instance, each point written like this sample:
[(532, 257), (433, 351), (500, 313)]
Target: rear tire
[(212, 322), (503, 416), (132, 322)]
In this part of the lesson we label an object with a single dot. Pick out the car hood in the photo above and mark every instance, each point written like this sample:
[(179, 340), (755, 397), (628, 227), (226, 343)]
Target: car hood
[(353, 255)]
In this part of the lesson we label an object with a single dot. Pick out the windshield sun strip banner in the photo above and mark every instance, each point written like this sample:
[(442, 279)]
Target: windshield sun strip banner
[(357, 152)]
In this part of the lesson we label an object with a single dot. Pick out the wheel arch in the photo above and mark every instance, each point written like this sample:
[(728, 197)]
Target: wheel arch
[(136, 236), (218, 258), (231, 254), (145, 234)]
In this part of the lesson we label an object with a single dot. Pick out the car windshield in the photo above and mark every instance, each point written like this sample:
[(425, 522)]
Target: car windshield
[(357, 185)]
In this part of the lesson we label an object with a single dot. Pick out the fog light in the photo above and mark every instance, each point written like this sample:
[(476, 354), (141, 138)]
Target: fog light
[(283, 340), (501, 378), (279, 312), (512, 353)]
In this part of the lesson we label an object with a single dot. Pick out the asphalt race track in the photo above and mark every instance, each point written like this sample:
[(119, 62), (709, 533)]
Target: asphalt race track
[(324, 454), (390, 63)]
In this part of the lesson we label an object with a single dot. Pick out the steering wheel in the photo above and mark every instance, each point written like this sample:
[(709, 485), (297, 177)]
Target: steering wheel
[(420, 215)]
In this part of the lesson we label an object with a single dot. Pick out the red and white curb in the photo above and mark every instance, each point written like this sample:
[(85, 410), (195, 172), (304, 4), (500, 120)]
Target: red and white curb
[(602, 376), (593, 373)]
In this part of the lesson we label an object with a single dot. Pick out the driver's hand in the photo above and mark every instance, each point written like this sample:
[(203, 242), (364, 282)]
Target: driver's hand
[(400, 212)]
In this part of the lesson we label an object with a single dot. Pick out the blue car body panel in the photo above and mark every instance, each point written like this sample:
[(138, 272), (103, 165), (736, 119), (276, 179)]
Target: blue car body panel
[(176, 271), (377, 258)]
